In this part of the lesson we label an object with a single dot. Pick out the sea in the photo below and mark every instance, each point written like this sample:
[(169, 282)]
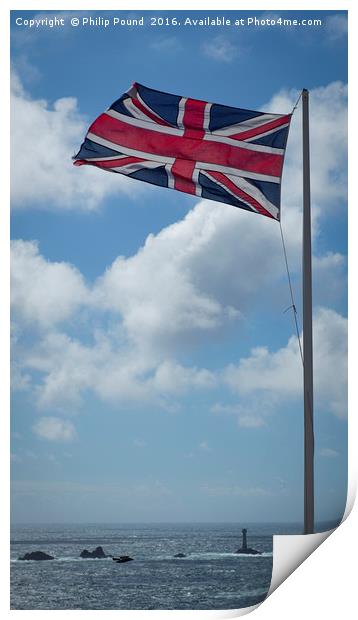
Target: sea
[(211, 576)]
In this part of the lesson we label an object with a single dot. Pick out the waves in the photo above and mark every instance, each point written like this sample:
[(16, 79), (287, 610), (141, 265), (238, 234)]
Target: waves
[(201, 556), (221, 555), (210, 576)]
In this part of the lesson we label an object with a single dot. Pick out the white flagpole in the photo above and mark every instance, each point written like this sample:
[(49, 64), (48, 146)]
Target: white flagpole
[(307, 326)]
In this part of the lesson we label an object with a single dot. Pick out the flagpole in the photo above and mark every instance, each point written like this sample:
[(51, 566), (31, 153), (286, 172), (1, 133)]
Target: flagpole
[(307, 326)]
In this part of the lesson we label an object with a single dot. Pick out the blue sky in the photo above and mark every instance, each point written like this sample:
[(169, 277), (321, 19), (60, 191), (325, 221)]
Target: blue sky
[(156, 376)]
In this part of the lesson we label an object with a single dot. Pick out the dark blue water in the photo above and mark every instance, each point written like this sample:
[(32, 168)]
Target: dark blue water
[(210, 577)]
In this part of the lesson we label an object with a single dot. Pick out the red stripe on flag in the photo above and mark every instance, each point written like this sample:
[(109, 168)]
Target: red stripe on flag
[(224, 180), (148, 113), (256, 131), (116, 163), (108, 163), (181, 147), (182, 171), (193, 119)]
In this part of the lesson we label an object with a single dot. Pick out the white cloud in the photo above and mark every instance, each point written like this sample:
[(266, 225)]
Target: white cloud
[(44, 138), (43, 292), (20, 381), (329, 278), (266, 371), (251, 421), (330, 345), (110, 370), (67, 369), (264, 381), (219, 48), (247, 414), (55, 429), (182, 282), (279, 374), (328, 147), (173, 378), (196, 275)]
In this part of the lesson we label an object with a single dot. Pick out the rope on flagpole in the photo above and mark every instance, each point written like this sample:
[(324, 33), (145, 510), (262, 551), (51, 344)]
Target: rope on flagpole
[(297, 102), (293, 305)]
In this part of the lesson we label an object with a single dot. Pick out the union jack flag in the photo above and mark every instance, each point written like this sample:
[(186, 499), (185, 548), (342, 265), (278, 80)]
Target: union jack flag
[(209, 150)]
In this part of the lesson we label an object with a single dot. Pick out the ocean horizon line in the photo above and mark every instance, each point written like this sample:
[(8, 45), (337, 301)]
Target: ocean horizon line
[(164, 522)]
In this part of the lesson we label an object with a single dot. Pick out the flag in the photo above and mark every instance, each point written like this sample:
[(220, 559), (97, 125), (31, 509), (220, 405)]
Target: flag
[(205, 149)]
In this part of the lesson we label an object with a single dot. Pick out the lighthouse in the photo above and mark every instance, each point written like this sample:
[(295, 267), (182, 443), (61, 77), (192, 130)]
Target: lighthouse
[(244, 549), (244, 538)]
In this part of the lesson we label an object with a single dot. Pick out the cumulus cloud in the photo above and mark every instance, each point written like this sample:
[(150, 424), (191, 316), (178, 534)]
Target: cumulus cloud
[(110, 370), (330, 347), (66, 366), (115, 367), (196, 275), (44, 138), (278, 374), (329, 278), (43, 292), (266, 371), (173, 378), (328, 147), (168, 292), (54, 429), (156, 299)]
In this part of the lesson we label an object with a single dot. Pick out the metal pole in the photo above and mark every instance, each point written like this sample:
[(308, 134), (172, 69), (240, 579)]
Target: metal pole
[(307, 327)]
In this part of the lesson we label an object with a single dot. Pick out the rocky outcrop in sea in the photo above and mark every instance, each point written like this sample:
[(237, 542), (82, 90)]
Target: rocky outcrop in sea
[(37, 555), (96, 553)]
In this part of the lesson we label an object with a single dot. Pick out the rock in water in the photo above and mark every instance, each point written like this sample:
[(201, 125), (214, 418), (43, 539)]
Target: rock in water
[(248, 551), (37, 555), (86, 554), (96, 553)]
